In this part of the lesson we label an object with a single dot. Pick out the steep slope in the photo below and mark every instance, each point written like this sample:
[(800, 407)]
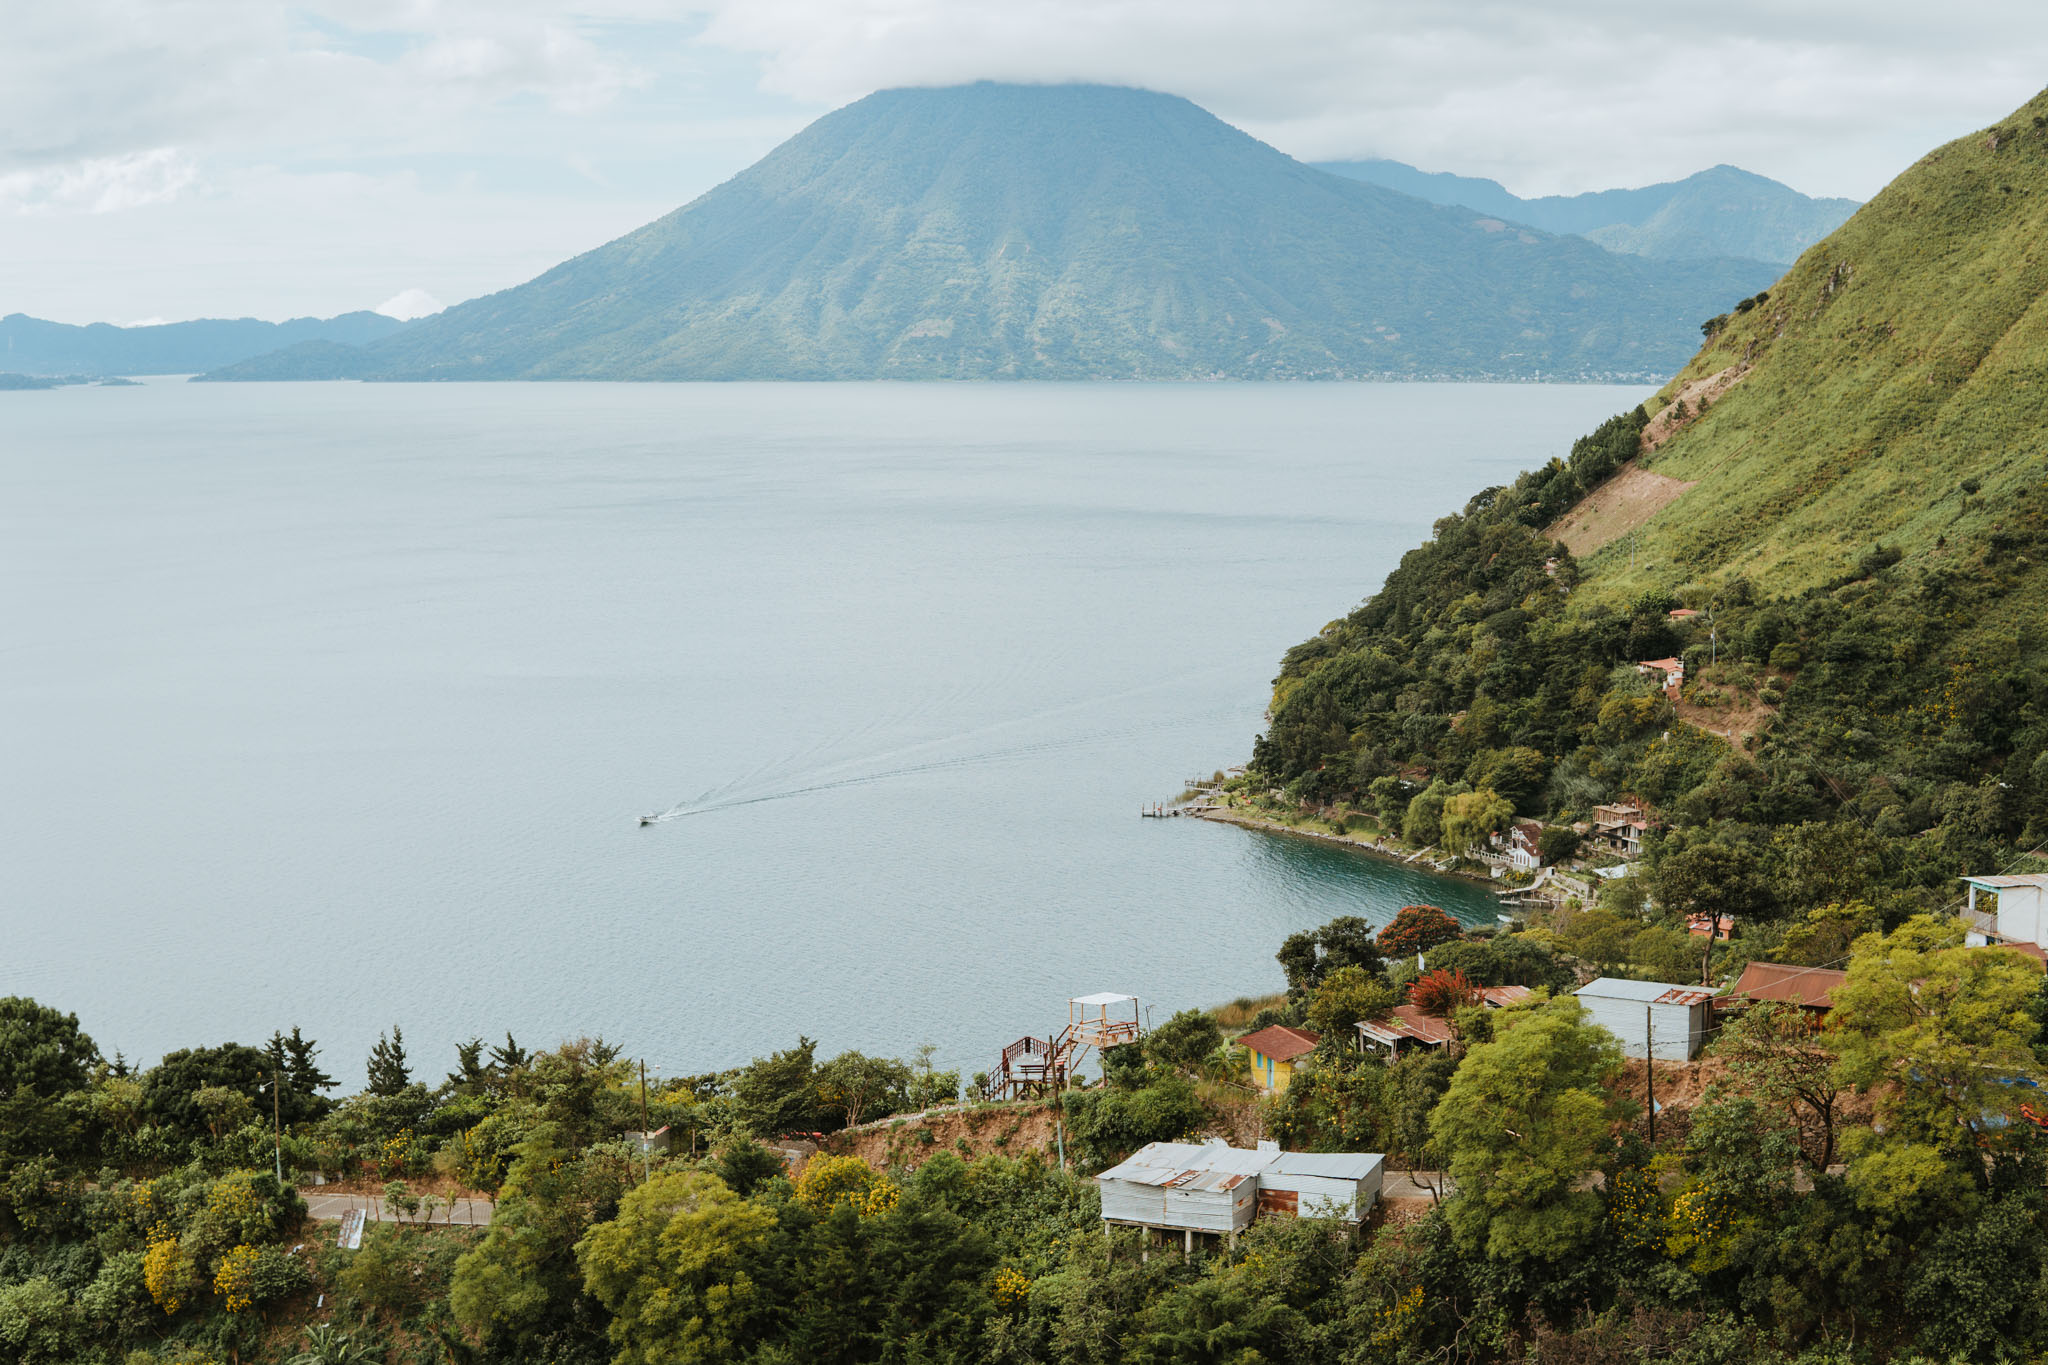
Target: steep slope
[(1849, 484), (1001, 231), (1723, 211), (32, 346)]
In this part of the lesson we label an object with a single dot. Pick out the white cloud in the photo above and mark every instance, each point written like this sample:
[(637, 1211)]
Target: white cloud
[(1834, 96), (468, 144), (408, 304), (103, 184)]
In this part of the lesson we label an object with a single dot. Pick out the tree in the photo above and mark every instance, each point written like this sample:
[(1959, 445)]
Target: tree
[(1346, 996), (1779, 1054), (858, 1086), (1558, 843), (778, 1094), (295, 1061), (42, 1049), (1525, 1118), (1310, 955), (1950, 1028), (672, 1270), (745, 1165), (1470, 818), (388, 1073), (520, 1282), (1185, 1041), (1517, 773), (470, 1075), (1417, 929), (1825, 936), (171, 1089), (1422, 825), (511, 1057), (1108, 1124), (1712, 879)]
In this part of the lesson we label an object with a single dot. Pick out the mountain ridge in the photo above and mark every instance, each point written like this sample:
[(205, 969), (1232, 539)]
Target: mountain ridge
[(35, 346), (1721, 211), (1065, 232)]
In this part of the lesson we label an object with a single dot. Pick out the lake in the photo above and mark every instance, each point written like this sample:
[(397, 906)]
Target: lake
[(337, 705)]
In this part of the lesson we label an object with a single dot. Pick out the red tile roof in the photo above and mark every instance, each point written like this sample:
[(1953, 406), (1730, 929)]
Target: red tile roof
[(1811, 987), (1281, 1043), (1662, 665)]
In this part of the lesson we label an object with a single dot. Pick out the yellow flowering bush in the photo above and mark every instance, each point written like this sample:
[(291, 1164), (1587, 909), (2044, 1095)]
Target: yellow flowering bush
[(234, 1279), (1699, 1219), (1635, 1207), (881, 1198), (166, 1272), (391, 1157), (831, 1180), (1390, 1326), (1012, 1287)]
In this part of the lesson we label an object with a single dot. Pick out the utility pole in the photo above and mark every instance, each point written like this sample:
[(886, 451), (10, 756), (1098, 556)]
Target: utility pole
[(276, 1129), (646, 1133), (1650, 1067)]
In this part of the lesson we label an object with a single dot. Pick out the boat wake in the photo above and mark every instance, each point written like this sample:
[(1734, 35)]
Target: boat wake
[(746, 790)]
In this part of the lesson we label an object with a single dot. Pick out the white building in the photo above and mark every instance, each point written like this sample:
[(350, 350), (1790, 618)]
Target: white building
[(1650, 1017), (1218, 1189), (2022, 910)]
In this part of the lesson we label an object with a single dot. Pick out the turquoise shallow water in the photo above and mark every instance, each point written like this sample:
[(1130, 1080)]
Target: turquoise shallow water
[(336, 705)]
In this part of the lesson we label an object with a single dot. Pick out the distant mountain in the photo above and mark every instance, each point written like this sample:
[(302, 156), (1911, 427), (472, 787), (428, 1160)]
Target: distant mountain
[(32, 346), (1720, 212), (1060, 232)]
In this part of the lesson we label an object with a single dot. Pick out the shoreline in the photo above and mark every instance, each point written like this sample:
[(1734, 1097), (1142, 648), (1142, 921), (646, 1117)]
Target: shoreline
[(1231, 816)]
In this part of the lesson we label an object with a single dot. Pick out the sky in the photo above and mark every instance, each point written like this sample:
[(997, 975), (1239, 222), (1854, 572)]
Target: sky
[(168, 159)]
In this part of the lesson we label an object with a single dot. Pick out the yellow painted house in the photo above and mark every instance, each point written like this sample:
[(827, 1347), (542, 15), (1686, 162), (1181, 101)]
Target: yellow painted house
[(1274, 1052)]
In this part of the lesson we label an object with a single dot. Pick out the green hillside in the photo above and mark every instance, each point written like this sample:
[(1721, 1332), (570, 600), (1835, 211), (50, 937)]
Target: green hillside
[(1062, 232), (1848, 480)]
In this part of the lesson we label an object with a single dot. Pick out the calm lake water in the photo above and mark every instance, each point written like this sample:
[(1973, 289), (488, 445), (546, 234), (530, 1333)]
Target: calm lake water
[(336, 705)]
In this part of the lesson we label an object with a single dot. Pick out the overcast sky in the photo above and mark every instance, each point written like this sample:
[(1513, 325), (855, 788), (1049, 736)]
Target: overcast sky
[(185, 158)]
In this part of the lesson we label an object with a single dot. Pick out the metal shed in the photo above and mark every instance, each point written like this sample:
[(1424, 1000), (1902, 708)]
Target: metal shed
[(1650, 1017), (1322, 1184), (1182, 1188)]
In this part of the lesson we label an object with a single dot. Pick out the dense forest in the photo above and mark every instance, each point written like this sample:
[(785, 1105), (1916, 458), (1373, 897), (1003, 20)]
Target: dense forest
[(1872, 1191)]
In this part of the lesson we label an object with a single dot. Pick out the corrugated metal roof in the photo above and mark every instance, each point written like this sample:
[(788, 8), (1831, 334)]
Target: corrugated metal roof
[(2034, 879), (1648, 992), (1684, 995), (1329, 1165), (1161, 1163), (1408, 1021), (1498, 996), (1810, 986), (1104, 998)]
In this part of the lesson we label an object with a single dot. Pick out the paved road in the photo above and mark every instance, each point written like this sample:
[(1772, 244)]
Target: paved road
[(1414, 1184), (330, 1207)]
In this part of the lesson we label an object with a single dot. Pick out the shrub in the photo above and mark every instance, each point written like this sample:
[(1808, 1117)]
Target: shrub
[(1440, 992)]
